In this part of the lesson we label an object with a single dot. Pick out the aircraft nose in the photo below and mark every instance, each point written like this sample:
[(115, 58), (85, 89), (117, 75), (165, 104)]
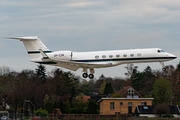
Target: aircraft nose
[(171, 56)]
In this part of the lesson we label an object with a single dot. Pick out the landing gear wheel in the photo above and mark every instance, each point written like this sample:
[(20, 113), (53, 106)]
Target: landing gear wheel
[(164, 69), (91, 76), (85, 75)]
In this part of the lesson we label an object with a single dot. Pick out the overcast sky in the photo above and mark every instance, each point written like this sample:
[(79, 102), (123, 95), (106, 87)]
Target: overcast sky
[(89, 25)]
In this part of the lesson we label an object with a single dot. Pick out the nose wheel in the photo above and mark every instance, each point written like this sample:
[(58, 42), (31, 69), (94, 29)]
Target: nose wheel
[(163, 66)]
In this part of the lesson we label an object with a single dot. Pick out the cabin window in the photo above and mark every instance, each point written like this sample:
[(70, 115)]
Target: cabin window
[(139, 54), (111, 105), (125, 55), (131, 55), (103, 56), (117, 55), (96, 56), (110, 56)]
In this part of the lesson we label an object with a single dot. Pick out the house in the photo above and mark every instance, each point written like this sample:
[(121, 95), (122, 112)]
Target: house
[(111, 106), (127, 104), (144, 111), (148, 111)]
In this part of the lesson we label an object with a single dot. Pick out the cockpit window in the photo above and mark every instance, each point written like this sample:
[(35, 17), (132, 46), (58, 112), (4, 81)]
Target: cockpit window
[(159, 51)]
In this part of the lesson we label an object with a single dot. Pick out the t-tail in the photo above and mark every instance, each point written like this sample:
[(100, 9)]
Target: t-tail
[(33, 46)]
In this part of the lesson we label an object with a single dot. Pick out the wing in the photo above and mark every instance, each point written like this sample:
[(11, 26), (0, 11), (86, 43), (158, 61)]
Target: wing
[(85, 64), (73, 65)]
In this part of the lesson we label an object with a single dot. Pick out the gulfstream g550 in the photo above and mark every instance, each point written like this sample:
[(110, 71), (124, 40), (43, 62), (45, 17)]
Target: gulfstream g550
[(39, 53)]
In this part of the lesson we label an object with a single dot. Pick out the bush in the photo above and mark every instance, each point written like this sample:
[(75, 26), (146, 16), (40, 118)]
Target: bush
[(161, 109), (168, 116), (41, 112)]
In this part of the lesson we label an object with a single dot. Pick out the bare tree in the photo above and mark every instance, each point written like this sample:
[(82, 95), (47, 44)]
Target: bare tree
[(131, 70)]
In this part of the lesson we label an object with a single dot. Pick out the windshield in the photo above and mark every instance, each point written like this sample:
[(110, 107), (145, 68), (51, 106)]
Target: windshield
[(159, 51)]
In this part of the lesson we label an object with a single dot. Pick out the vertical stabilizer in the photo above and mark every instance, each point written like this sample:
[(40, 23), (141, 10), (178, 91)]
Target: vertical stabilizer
[(32, 45)]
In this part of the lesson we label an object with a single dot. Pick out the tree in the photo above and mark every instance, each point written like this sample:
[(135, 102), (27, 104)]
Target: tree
[(178, 66), (92, 107), (4, 71), (102, 77), (161, 109), (143, 81), (131, 70), (108, 89), (102, 87), (79, 106), (162, 92), (41, 72), (84, 87)]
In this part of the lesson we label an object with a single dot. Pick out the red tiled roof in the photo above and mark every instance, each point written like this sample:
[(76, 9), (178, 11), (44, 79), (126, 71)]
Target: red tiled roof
[(83, 98)]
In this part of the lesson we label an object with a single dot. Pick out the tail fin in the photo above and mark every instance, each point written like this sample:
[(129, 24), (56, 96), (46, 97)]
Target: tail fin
[(32, 45)]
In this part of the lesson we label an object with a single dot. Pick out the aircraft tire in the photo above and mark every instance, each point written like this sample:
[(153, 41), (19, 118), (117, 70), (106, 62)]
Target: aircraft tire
[(85, 75), (164, 69), (91, 76)]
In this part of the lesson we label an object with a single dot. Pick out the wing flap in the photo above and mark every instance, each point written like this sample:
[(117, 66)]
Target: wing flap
[(68, 66), (88, 65)]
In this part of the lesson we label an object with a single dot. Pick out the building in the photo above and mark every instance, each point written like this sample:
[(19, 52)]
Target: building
[(111, 106), (127, 104), (148, 111)]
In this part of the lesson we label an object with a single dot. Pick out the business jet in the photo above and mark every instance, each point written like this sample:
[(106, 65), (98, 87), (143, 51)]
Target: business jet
[(88, 61)]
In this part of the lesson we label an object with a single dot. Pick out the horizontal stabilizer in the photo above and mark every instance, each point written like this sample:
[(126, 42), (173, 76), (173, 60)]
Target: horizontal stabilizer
[(24, 38)]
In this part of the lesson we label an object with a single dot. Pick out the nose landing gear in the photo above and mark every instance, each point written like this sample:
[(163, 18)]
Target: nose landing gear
[(163, 66)]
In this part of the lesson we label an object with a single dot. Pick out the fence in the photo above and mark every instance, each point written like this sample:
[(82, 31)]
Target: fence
[(86, 117)]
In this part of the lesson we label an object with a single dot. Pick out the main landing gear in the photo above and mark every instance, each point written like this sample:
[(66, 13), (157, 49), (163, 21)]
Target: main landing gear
[(163, 66), (85, 74)]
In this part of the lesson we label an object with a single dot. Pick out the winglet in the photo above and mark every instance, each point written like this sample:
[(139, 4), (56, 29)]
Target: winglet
[(43, 54)]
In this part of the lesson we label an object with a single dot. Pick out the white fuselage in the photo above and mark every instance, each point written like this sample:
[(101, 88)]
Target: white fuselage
[(98, 59)]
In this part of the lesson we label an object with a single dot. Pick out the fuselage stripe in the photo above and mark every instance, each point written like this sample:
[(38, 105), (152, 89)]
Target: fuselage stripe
[(123, 59), (36, 52)]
